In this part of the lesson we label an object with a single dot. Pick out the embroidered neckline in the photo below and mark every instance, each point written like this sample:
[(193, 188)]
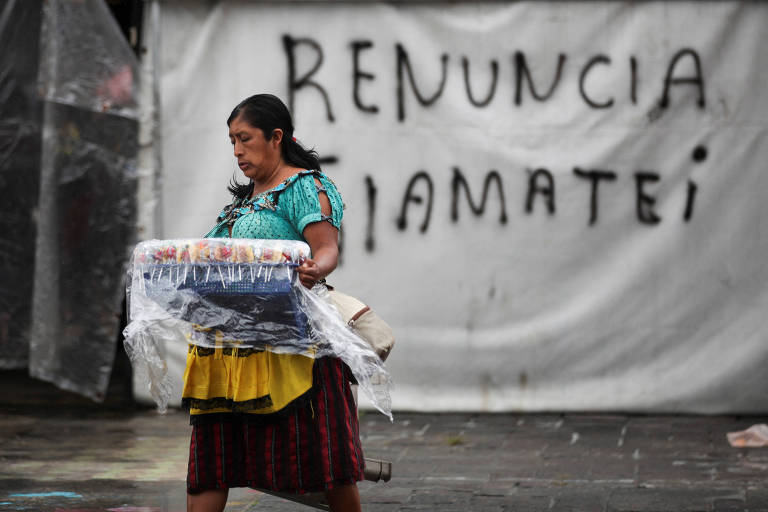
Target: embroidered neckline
[(277, 188), (261, 201)]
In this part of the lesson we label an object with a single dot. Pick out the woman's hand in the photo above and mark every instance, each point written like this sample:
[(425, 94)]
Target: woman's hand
[(309, 273)]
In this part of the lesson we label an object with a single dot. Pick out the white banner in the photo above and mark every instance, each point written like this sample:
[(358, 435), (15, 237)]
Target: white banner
[(556, 206)]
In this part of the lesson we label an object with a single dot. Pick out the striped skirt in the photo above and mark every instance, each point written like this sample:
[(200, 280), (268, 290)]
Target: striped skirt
[(310, 446)]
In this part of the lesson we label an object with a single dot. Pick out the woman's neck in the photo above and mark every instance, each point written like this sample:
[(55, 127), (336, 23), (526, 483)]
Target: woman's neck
[(281, 172)]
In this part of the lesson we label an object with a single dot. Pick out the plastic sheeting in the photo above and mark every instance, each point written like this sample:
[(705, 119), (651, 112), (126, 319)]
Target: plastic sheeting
[(69, 270), (85, 60), (20, 129), (237, 293)]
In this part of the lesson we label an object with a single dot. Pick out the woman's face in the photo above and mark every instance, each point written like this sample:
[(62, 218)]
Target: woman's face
[(256, 156)]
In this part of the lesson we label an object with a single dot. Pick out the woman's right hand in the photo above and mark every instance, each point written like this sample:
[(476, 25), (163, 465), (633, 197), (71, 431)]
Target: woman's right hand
[(309, 273)]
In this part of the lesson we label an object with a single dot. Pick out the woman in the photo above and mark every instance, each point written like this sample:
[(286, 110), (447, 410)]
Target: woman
[(312, 444)]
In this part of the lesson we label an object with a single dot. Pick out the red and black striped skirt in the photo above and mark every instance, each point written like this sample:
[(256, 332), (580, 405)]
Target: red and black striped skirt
[(310, 446)]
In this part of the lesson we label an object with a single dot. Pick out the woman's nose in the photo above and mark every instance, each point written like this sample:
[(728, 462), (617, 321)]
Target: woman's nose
[(238, 149)]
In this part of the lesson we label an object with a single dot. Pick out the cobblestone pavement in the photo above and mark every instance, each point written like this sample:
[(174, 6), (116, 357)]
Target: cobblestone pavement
[(71, 460)]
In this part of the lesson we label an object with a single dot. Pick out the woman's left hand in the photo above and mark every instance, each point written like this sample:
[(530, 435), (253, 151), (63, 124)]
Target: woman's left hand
[(309, 273)]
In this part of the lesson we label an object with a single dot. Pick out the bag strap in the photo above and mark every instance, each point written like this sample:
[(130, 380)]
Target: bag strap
[(357, 315)]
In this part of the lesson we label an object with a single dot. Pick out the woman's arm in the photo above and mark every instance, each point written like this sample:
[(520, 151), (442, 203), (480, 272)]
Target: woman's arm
[(323, 240)]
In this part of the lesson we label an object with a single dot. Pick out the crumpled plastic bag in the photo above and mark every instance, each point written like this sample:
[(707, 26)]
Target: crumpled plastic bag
[(753, 437), (238, 293)]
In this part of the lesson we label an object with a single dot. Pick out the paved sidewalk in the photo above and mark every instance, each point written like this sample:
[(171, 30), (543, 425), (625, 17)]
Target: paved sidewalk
[(84, 459)]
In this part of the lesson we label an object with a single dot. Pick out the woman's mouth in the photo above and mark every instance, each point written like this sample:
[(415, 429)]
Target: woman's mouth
[(243, 165)]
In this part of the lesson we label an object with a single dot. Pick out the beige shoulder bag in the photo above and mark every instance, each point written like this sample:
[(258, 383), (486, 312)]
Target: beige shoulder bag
[(367, 324)]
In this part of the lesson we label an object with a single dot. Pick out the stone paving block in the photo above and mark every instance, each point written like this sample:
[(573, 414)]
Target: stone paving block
[(562, 469), (666, 500), (438, 496), (655, 470), (267, 503), (480, 502), (579, 499), (742, 470), (757, 498), (375, 507), (613, 466), (441, 508), (438, 503), (495, 489), (537, 497), (457, 485), (526, 445), (752, 454), (596, 419), (729, 504), (409, 468), (384, 493), (592, 436)]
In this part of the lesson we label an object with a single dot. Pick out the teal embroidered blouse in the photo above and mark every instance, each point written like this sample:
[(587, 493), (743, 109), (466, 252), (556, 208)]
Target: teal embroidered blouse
[(281, 212)]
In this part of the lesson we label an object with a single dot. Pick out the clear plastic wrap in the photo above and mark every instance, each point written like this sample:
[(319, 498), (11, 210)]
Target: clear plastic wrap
[(86, 207), (236, 293), (85, 60), (20, 137), (68, 147)]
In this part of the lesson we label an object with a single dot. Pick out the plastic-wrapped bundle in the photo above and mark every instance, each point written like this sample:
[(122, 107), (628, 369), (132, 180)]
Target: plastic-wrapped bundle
[(236, 293)]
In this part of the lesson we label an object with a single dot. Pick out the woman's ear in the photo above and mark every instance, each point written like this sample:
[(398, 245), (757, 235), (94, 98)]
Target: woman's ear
[(277, 136)]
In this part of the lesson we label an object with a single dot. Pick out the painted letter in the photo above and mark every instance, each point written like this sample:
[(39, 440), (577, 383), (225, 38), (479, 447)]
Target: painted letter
[(645, 202), (521, 70), (601, 59), (370, 239), (697, 80), (491, 89), (548, 190), (358, 75), (595, 177), (404, 66), (402, 221), (294, 84), (460, 182)]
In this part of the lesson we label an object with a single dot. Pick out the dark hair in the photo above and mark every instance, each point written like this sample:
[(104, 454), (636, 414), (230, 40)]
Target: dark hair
[(266, 112)]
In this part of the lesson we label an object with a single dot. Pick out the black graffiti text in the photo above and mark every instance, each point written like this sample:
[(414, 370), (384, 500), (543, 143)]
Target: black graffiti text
[(535, 78)]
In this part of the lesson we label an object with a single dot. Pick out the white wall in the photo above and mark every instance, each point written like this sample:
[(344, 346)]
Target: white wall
[(545, 311)]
